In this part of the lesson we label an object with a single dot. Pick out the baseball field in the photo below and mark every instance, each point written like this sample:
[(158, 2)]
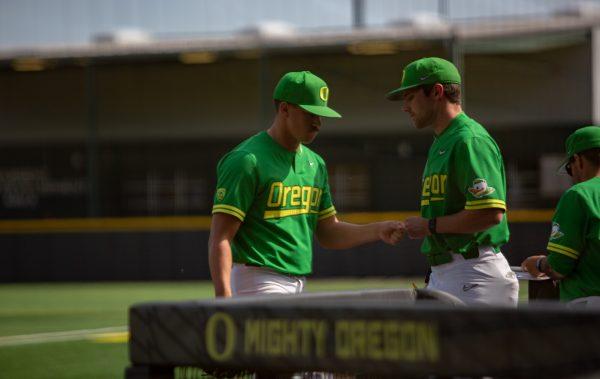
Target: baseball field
[(79, 330)]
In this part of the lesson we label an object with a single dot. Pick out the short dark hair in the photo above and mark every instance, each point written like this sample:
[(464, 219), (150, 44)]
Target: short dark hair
[(276, 102), (592, 156), (451, 91)]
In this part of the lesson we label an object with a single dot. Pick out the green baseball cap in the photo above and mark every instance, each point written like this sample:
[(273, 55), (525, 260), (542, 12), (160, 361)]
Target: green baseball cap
[(305, 90), (425, 71), (581, 140)]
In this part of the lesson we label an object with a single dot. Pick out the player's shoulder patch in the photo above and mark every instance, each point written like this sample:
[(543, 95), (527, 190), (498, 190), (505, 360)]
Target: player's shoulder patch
[(221, 193), (555, 233), (480, 188)]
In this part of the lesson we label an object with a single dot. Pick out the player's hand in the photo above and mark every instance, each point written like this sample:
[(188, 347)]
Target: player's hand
[(391, 232), (529, 265), (417, 227)]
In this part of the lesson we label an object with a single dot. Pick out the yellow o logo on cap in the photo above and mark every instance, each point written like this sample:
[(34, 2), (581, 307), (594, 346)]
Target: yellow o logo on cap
[(324, 93)]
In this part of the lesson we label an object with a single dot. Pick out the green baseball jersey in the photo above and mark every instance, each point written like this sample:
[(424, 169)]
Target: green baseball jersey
[(279, 196), (464, 170), (574, 243)]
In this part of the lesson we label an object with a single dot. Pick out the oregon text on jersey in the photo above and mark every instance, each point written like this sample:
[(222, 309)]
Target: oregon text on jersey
[(294, 200), (434, 188)]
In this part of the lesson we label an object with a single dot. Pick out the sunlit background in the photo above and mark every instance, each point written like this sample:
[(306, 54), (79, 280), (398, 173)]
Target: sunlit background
[(114, 113)]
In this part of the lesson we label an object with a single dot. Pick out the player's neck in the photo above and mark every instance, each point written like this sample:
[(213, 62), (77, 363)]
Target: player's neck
[(445, 117), (279, 133), (590, 172)]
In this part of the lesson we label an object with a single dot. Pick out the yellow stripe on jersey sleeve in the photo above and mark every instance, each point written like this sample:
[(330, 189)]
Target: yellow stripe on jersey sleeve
[(327, 213), (228, 209), (484, 204), (564, 250)]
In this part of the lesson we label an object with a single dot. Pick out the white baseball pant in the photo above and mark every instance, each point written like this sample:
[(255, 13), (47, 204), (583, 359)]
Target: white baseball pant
[(486, 279), (252, 280)]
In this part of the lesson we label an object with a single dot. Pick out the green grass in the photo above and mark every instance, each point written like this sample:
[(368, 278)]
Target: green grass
[(36, 308), (65, 360), (40, 308)]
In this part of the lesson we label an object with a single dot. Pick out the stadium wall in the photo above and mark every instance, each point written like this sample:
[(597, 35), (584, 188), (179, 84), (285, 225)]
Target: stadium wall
[(133, 249)]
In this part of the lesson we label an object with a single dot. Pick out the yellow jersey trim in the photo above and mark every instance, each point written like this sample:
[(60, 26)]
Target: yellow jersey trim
[(486, 201), (484, 204), (563, 250), (327, 213), (220, 208), (328, 210), (424, 202)]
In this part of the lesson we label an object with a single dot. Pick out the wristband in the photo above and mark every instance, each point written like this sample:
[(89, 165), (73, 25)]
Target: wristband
[(432, 225), (538, 264)]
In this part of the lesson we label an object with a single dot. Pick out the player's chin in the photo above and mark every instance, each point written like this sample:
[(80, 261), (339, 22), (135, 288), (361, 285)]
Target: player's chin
[(309, 137), (419, 124)]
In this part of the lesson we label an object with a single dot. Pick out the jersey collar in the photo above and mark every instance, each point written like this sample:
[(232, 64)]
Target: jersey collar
[(280, 148)]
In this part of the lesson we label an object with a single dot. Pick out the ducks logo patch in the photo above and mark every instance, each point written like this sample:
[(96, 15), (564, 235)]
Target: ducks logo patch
[(555, 233), (480, 188)]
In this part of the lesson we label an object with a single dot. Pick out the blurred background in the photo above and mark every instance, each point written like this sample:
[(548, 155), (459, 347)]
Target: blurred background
[(114, 113)]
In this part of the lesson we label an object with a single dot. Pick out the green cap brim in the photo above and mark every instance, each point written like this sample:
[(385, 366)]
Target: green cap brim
[(563, 164), (320, 110), (397, 93)]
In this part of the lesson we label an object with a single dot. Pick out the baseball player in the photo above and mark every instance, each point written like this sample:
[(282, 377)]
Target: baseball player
[(463, 190), (574, 243), (273, 194)]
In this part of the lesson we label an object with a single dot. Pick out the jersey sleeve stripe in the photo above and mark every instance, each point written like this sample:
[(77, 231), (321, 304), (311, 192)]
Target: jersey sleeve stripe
[(327, 213), (229, 210), (229, 207), (486, 201), (563, 250), (486, 206)]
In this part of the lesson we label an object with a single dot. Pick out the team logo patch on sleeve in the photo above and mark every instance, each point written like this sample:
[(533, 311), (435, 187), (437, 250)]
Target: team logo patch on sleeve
[(480, 188), (221, 193), (555, 232)]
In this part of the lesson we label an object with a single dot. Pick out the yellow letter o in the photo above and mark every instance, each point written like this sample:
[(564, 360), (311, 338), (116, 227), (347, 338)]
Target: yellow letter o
[(210, 336)]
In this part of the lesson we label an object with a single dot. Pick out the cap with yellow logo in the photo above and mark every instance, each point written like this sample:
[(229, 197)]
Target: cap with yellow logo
[(425, 71), (305, 90)]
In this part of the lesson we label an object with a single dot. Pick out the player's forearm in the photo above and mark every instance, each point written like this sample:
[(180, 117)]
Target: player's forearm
[(219, 261), (343, 235), (469, 221)]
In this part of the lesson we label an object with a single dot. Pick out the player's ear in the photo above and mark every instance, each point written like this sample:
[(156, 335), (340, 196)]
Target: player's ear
[(438, 90), (284, 108), (578, 160)]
